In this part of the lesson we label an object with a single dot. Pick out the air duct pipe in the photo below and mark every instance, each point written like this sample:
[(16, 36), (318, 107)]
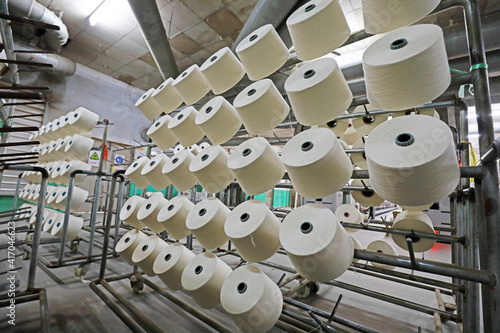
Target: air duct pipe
[(149, 20), (32, 10)]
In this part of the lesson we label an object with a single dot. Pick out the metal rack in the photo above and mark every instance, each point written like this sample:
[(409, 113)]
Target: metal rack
[(475, 231)]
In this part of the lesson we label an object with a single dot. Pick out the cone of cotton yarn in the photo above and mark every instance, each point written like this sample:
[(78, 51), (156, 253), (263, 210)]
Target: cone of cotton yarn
[(252, 299), (316, 243), (317, 28), (167, 96), (79, 146), (193, 149), (412, 160), (414, 221), (222, 70), (203, 145), (347, 213), (203, 277), (405, 61), (219, 120), (177, 170), (130, 209), (350, 136), (84, 120), (148, 212), (148, 105), (161, 135), (359, 159), (318, 92), (134, 172), (316, 163), (173, 216), (153, 172), (61, 147), (380, 17), (256, 166), (261, 107), (383, 247), (146, 253), (170, 264), (68, 168), (357, 246), (211, 170), (191, 85), (128, 243), (206, 222), (75, 224), (364, 125), (254, 230), (184, 128), (262, 52)]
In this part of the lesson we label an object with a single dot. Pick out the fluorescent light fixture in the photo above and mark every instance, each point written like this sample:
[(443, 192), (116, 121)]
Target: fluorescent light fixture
[(106, 8)]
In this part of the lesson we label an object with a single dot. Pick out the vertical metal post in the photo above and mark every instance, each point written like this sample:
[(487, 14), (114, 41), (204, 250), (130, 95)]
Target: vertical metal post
[(16, 195), (97, 190), (489, 182), (38, 229), (67, 212), (119, 202)]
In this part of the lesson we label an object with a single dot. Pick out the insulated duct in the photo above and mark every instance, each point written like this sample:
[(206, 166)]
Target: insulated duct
[(32, 10), (149, 20)]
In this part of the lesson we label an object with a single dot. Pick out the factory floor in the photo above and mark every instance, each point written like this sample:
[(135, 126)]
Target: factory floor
[(75, 308)]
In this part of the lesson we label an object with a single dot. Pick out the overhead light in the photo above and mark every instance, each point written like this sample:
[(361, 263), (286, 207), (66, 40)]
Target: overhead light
[(106, 7)]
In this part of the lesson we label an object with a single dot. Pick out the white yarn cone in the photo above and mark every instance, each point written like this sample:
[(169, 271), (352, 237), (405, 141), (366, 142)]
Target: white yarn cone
[(44, 153), (317, 28), (79, 147), (219, 120), (203, 278), (256, 166), (194, 149), (364, 125), (130, 209), (262, 52), (316, 163), (153, 174), (75, 224), (254, 231), (357, 246), (65, 173), (191, 85), (412, 160), (167, 96), (222, 70), (359, 159), (77, 199), (379, 17), (177, 170), (184, 128), (350, 136), (173, 216), (146, 252), (414, 221), (56, 128), (56, 155), (383, 247), (211, 170), (261, 107), (67, 127), (405, 61), (128, 243), (148, 212), (148, 105), (33, 217), (51, 222), (318, 92), (161, 135), (134, 172), (365, 198), (203, 145), (349, 214), (170, 264), (84, 120), (318, 246), (51, 200), (206, 222), (252, 299)]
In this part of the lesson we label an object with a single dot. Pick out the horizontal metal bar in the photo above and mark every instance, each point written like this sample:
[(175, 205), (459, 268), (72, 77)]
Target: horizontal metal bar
[(22, 87), (19, 154), (439, 268), (27, 115), (21, 95), (28, 63), (32, 158), (465, 172), (20, 143), (26, 21), (25, 103), (18, 129), (33, 51), (408, 233)]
